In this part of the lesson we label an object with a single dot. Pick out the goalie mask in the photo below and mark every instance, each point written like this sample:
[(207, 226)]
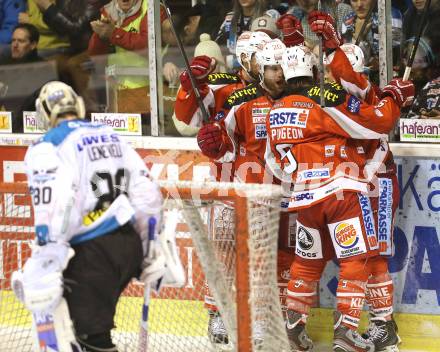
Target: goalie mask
[(298, 61), (57, 98), (355, 55), (271, 54)]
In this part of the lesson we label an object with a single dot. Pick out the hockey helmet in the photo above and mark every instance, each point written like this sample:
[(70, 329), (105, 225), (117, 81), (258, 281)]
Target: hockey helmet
[(57, 98), (355, 55), (257, 42), (270, 54), (298, 61), (242, 47)]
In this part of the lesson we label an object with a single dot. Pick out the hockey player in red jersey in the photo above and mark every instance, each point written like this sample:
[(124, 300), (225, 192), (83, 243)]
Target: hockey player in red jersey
[(379, 296), (215, 88), (242, 139), (310, 149), (242, 135), (218, 95), (349, 73)]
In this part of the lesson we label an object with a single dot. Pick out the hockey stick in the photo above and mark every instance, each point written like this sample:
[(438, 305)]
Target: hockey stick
[(366, 20), (185, 59), (413, 51), (143, 331), (321, 66)]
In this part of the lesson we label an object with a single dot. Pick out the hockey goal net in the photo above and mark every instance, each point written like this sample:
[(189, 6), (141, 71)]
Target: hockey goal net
[(227, 238)]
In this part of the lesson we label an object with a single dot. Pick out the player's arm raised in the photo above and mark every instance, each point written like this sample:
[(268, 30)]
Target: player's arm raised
[(186, 108), (365, 121)]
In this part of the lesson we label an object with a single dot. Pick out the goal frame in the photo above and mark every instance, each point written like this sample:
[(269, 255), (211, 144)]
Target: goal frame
[(236, 193)]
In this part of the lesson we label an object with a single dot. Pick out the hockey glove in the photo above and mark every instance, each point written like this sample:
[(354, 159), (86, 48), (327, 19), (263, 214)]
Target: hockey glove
[(162, 265), (292, 30), (210, 140), (401, 91), (153, 267), (324, 25), (201, 67)]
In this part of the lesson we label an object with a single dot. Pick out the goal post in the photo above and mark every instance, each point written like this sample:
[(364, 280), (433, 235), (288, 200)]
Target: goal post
[(227, 236)]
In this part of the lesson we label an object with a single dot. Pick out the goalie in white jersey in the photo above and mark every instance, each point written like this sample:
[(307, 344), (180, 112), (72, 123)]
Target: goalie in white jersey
[(93, 200)]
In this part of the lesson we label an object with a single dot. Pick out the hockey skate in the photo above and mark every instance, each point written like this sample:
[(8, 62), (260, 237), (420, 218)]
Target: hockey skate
[(217, 332), (372, 327), (296, 333), (384, 335), (347, 340)]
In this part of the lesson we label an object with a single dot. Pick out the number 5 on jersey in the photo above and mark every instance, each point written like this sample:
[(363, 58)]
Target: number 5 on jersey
[(285, 151)]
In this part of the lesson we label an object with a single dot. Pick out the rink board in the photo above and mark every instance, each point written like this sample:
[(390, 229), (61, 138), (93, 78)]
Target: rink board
[(415, 267)]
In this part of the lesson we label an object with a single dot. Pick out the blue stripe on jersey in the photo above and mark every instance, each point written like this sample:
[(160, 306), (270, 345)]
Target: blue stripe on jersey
[(58, 134), (106, 227)]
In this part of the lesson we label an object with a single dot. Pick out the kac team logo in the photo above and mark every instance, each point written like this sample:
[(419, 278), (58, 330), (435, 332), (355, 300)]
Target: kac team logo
[(345, 235)]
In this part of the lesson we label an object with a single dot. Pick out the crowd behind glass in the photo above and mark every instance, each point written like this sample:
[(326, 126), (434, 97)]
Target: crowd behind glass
[(100, 47)]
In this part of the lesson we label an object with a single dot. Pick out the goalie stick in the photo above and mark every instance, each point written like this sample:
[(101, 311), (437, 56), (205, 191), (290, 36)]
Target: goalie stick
[(143, 332), (174, 276), (415, 45)]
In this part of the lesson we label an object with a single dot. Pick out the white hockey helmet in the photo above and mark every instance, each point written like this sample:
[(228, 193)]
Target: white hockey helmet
[(271, 54), (355, 55), (257, 42), (57, 98), (242, 47), (298, 61)]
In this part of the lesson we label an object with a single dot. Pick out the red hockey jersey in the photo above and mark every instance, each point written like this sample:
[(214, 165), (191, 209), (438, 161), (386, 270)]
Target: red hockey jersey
[(214, 94), (357, 84), (244, 129), (310, 146)]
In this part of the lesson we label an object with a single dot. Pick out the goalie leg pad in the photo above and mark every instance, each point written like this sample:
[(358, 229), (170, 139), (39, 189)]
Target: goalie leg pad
[(40, 284)]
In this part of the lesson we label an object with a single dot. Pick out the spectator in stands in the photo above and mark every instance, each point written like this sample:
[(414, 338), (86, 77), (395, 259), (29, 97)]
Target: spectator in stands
[(23, 48), (123, 28), (9, 10), (239, 20), (201, 18), (51, 44), (427, 102), (267, 25), (339, 11), (72, 18), (425, 66), (369, 41), (412, 18)]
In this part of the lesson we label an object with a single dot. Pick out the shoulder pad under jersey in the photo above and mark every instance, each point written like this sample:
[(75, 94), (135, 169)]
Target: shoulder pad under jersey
[(334, 94), (242, 95), (223, 78)]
